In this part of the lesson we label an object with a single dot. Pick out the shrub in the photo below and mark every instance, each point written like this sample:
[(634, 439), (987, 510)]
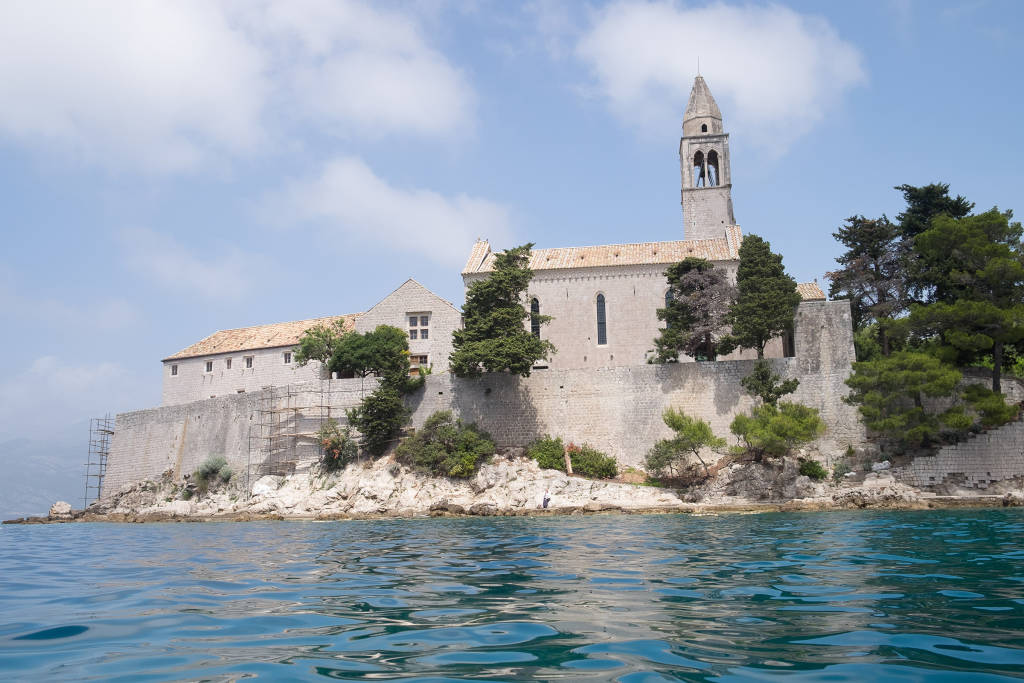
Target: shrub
[(586, 460), (813, 469), (379, 418), (214, 468), (548, 452), (776, 430), (667, 457), (446, 447), (991, 407), (590, 462), (840, 470), (339, 448)]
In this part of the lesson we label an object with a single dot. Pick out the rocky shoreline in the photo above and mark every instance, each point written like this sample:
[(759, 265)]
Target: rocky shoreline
[(510, 485)]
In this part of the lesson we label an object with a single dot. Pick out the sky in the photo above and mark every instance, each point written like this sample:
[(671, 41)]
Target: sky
[(169, 169)]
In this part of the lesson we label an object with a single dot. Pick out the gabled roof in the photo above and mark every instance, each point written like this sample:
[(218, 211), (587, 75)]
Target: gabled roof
[(409, 284), (258, 337), (810, 291), (726, 248)]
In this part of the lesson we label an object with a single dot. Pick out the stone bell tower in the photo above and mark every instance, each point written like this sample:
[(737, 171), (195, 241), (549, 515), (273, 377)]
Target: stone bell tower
[(704, 162)]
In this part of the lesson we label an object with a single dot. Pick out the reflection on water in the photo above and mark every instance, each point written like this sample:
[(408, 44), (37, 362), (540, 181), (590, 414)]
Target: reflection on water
[(825, 596)]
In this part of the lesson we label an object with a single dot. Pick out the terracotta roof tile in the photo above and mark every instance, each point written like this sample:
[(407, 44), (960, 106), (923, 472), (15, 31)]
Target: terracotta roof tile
[(810, 291), (481, 259), (258, 337)]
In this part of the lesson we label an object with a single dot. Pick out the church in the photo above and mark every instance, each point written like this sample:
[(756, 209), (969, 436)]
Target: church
[(603, 299)]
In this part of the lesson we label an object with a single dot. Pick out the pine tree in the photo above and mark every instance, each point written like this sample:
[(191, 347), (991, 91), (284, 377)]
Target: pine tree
[(766, 300), (494, 337), (695, 312)]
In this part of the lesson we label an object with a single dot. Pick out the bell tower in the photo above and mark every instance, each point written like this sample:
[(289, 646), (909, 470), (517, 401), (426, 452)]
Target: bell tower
[(704, 162)]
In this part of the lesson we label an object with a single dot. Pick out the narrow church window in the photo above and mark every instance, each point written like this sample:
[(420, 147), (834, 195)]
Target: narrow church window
[(788, 345), (698, 169), (174, 370), (703, 128), (712, 168), (227, 363), (248, 361), (535, 318), (668, 301), (602, 324)]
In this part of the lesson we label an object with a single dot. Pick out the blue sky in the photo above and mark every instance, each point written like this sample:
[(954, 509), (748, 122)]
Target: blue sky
[(170, 169)]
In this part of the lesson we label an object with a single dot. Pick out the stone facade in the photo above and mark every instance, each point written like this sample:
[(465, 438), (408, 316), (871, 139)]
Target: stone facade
[(412, 302), (980, 461), (615, 409)]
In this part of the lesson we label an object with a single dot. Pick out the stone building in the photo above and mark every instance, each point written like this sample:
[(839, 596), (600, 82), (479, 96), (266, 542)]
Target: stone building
[(251, 358), (603, 299)]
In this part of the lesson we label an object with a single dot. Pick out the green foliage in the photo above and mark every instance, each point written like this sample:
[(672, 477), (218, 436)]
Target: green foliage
[(213, 470), (494, 337), (771, 430), (813, 469), (383, 352), (699, 298), (667, 458), (925, 203), (590, 462), (379, 418), (548, 452), (586, 461), (890, 394), (445, 447), (839, 471), (320, 342), (992, 408), (766, 300), (767, 385), (338, 448)]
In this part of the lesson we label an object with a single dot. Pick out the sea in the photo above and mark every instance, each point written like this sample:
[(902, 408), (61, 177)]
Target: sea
[(823, 596)]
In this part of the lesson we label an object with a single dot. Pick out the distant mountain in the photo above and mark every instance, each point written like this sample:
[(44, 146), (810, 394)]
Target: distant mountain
[(38, 473)]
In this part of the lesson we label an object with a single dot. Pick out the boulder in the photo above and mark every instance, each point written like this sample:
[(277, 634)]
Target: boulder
[(1013, 499), (266, 485), (60, 510)]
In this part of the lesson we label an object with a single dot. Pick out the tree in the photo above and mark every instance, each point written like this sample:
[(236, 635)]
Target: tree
[(494, 337), (766, 299), (925, 203), (767, 385), (890, 394), (695, 310), (379, 418), (319, 343), (871, 276), (775, 430), (975, 269), (668, 455)]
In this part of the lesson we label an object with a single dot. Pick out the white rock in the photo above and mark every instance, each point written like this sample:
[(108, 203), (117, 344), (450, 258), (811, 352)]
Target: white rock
[(266, 484), (879, 466), (60, 510)]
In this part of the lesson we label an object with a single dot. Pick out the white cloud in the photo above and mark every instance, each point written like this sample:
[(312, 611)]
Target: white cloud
[(348, 199), (52, 392), (107, 314), (778, 72), (170, 85), (169, 264)]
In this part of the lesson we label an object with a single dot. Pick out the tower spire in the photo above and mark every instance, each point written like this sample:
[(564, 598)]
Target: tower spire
[(704, 165), (702, 110)]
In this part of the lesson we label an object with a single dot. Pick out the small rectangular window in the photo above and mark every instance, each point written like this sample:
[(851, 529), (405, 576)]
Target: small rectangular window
[(248, 361), (413, 320), (227, 363), (174, 370), (209, 366), (412, 334), (240, 391), (423, 320), (423, 333), (287, 357)]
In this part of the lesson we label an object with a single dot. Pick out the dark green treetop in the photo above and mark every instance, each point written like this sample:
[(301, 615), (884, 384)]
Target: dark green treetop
[(766, 300), (695, 314), (494, 337), (925, 203)]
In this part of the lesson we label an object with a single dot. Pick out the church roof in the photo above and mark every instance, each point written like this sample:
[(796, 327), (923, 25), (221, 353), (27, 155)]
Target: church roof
[(481, 259), (702, 103), (258, 337)]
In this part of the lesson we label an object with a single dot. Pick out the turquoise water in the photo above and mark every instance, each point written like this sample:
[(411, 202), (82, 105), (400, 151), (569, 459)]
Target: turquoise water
[(901, 596)]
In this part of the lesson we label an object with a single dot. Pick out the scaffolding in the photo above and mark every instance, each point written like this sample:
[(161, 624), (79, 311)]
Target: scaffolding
[(284, 433), (100, 431)]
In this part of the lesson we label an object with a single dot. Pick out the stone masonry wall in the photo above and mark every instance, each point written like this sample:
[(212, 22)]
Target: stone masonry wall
[(975, 463), (617, 410)]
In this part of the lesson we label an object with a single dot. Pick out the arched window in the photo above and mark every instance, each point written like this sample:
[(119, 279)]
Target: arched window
[(668, 301), (703, 128), (698, 169), (602, 323), (535, 317), (712, 168)]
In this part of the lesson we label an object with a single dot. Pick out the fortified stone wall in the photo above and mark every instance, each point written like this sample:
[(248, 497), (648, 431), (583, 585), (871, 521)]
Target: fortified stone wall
[(617, 410), (981, 460)]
